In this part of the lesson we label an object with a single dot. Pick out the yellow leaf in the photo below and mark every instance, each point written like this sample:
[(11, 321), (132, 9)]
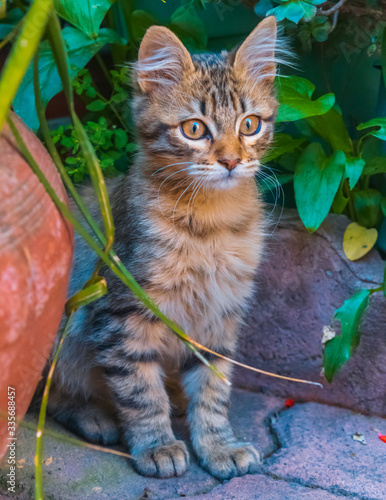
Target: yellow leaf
[(358, 241)]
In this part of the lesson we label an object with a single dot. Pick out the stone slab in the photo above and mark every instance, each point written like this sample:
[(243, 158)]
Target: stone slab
[(73, 473), (301, 282), (318, 450), (259, 487)]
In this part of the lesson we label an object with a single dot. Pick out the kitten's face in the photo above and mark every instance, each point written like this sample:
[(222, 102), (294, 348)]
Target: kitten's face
[(206, 119)]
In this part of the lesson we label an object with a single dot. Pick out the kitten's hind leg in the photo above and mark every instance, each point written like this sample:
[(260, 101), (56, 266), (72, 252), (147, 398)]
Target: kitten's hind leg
[(89, 420)]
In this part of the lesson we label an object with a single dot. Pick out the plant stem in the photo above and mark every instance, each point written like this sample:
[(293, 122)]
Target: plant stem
[(42, 417), (350, 204)]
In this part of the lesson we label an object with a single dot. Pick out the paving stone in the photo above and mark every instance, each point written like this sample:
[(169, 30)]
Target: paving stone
[(73, 473), (259, 487), (318, 449)]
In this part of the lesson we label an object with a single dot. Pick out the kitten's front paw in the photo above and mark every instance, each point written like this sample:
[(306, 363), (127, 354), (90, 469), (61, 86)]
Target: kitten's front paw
[(227, 461), (164, 461)]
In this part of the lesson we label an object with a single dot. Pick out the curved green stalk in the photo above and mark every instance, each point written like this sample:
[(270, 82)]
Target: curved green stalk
[(22, 53)]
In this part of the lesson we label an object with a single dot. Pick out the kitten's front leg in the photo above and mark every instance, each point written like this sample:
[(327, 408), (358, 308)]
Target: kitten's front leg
[(135, 378), (213, 439)]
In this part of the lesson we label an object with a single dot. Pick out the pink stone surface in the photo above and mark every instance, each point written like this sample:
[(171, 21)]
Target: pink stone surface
[(301, 282)]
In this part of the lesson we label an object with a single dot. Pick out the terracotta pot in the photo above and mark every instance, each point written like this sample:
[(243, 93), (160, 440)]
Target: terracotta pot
[(36, 246)]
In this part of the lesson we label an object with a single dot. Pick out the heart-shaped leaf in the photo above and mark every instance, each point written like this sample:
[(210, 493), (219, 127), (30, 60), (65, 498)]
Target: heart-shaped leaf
[(294, 94), (358, 241), (317, 179), (338, 350), (87, 15)]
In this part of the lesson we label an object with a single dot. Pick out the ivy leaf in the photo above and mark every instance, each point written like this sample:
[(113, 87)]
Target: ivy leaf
[(380, 123), (283, 143), (80, 49), (295, 94), (317, 179), (338, 350), (87, 15)]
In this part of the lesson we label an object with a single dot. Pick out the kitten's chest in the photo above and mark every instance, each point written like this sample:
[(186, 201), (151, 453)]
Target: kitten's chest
[(199, 282)]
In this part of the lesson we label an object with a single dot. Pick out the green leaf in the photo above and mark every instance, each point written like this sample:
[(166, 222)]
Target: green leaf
[(317, 179), (380, 123), (283, 143), (293, 10), (294, 94), (262, 7), (367, 204), (80, 48), (354, 169), (383, 55), (87, 15), (331, 127), (121, 138), (87, 295), (140, 22), (187, 25), (375, 165), (383, 206), (96, 105), (271, 183), (339, 349)]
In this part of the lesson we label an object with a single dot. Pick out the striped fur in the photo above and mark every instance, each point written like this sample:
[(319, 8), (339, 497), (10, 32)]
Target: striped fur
[(191, 232)]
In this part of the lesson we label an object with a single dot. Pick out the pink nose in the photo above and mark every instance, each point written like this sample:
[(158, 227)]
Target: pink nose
[(230, 164)]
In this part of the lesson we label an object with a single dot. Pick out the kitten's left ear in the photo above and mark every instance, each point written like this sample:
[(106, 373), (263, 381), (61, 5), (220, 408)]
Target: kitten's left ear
[(162, 60), (256, 56)]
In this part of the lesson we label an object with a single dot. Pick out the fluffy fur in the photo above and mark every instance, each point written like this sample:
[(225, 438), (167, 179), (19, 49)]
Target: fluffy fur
[(190, 230)]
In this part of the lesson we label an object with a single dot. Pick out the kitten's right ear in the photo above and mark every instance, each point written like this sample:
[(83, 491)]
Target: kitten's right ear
[(162, 59)]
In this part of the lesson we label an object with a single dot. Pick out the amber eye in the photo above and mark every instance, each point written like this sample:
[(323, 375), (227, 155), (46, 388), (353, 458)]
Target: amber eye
[(251, 125), (194, 129)]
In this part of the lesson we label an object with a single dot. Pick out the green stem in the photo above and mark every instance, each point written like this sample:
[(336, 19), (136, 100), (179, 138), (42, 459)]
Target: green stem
[(350, 204), (38, 460), (22, 53)]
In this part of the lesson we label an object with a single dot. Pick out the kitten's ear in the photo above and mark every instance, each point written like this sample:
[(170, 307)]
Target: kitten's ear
[(256, 56), (162, 59)]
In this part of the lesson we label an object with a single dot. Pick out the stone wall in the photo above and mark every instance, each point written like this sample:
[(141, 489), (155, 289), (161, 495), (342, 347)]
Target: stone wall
[(302, 280)]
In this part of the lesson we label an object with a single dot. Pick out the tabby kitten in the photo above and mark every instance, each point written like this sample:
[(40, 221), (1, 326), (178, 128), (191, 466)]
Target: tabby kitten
[(189, 226)]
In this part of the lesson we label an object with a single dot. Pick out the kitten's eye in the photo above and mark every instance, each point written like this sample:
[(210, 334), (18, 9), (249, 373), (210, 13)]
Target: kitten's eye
[(251, 125), (194, 129)]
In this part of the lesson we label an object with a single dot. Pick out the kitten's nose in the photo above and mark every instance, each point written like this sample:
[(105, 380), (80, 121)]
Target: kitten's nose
[(230, 164)]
